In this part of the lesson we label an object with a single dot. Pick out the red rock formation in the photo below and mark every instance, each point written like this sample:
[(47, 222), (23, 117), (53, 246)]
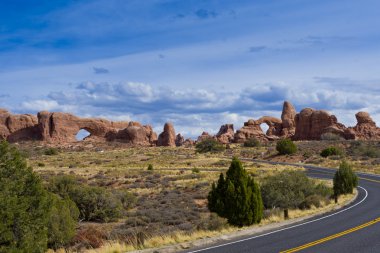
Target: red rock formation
[(167, 137), (274, 125), (179, 140), (251, 129), (134, 134), (365, 128), (288, 120), (277, 128), (226, 134), (63, 127), (204, 136), (188, 143), (18, 127), (60, 128), (311, 124)]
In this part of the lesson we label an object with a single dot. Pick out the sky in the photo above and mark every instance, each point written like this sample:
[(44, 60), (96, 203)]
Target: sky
[(196, 63)]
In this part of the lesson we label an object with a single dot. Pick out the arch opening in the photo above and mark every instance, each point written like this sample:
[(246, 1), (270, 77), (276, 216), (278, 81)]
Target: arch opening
[(82, 135), (264, 126)]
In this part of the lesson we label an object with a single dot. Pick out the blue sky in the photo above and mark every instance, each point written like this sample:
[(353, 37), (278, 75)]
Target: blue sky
[(196, 63)]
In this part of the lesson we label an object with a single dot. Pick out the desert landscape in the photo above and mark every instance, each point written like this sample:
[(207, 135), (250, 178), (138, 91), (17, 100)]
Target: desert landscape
[(156, 188), (164, 126)]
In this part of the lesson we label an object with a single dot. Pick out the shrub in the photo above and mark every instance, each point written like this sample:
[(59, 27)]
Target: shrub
[(90, 237), (209, 145), (62, 221), (236, 197), (150, 167), (331, 137), (24, 205), (252, 142), (291, 189), (40, 164), (195, 170), (323, 190), (331, 151), (345, 180), (312, 200), (94, 203), (51, 151), (286, 147)]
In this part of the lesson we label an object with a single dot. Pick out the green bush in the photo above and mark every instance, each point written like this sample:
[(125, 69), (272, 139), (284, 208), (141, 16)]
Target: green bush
[(195, 170), (292, 189), (94, 203), (24, 205), (331, 151), (286, 147), (252, 142), (209, 145), (236, 197), (345, 180), (51, 151), (62, 223), (312, 200), (150, 167)]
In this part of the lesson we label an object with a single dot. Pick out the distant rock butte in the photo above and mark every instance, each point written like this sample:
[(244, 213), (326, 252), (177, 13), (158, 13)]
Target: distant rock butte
[(225, 134), (204, 136), (60, 128), (179, 140), (167, 138), (365, 128)]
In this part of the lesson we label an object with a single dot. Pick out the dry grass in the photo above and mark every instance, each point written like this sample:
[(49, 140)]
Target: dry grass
[(180, 237)]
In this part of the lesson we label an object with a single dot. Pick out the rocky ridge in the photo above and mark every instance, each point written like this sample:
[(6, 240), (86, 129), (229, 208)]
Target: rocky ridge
[(60, 128)]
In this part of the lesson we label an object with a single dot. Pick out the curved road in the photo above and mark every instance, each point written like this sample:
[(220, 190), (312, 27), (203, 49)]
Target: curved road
[(355, 228)]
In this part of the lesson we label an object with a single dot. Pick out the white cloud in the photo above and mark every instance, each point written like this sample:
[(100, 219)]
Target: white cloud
[(41, 105), (195, 110)]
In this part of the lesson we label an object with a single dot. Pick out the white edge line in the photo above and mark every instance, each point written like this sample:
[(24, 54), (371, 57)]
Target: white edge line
[(287, 228)]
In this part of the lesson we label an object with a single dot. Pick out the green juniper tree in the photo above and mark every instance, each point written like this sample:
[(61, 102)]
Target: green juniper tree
[(345, 180), (31, 217), (24, 205), (236, 197)]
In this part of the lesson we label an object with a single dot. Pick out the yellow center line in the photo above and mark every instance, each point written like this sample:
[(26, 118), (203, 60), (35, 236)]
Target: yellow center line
[(371, 180), (331, 237)]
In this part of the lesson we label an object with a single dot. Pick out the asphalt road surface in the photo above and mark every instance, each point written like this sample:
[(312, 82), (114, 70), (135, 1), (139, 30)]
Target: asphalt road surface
[(355, 228)]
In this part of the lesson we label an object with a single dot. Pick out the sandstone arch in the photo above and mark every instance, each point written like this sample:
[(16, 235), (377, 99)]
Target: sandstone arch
[(274, 125), (82, 135)]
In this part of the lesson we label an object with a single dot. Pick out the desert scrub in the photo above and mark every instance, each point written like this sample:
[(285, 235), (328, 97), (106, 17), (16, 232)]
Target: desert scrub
[(286, 147), (209, 145), (94, 203), (292, 189), (331, 151), (252, 142), (51, 151)]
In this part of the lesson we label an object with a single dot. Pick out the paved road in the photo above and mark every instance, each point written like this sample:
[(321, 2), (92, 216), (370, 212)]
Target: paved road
[(351, 229)]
